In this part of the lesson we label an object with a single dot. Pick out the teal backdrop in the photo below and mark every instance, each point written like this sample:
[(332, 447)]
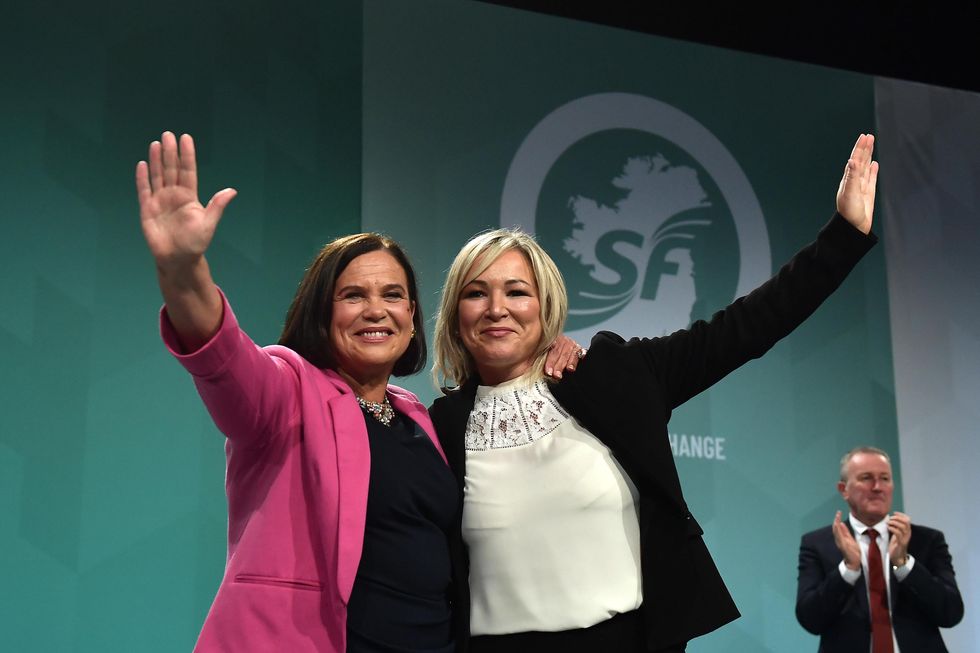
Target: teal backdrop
[(406, 117), (111, 484)]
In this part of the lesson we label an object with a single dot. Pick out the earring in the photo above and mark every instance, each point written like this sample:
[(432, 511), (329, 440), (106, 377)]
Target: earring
[(413, 332)]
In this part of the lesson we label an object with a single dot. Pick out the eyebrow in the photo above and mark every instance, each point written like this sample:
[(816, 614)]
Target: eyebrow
[(509, 282), (385, 288)]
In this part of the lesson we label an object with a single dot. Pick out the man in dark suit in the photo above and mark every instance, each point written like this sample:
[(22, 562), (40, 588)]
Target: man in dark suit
[(875, 582)]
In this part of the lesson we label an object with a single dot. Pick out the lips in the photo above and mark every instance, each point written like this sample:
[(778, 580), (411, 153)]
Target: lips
[(497, 332)]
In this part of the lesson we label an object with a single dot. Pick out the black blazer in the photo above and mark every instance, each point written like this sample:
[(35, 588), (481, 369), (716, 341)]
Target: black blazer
[(926, 600), (624, 392)]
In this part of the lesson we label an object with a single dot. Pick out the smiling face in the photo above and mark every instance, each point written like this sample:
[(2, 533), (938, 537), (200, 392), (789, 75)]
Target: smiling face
[(500, 318), (371, 325), (868, 487)]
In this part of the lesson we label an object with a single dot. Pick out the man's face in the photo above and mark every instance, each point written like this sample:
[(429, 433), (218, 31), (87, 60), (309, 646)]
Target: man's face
[(868, 488)]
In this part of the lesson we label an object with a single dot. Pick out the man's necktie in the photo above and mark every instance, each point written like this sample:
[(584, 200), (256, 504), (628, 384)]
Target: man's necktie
[(881, 623)]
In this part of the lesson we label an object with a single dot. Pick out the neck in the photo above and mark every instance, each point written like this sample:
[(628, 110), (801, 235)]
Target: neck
[(498, 375), (372, 389)]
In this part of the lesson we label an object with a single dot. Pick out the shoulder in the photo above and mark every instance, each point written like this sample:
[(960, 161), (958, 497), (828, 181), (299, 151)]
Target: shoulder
[(822, 534), (926, 532), (289, 356), (327, 382), (454, 403), (610, 357), (612, 346), (403, 394)]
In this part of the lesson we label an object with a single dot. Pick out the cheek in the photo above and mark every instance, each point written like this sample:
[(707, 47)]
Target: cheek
[(338, 320), (531, 315), (465, 319)]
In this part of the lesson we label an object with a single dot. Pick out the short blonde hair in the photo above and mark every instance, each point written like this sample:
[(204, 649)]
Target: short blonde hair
[(454, 365)]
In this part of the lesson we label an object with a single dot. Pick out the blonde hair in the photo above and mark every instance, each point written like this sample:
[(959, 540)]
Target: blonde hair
[(454, 365)]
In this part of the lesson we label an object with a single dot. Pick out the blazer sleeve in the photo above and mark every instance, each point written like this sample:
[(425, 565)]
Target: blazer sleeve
[(691, 360), (821, 592), (931, 585), (251, 394)]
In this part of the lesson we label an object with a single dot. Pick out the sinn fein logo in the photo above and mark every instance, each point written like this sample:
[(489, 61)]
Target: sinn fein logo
[(651, 220)]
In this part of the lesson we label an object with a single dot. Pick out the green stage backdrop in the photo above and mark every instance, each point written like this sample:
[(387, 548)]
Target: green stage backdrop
[(111, 473), (665, 177)]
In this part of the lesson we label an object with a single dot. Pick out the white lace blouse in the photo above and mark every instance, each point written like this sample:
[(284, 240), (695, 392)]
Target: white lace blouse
[(550, 517)]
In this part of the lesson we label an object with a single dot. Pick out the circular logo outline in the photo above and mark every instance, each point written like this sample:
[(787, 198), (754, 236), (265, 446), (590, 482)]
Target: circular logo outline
[(575, 120)]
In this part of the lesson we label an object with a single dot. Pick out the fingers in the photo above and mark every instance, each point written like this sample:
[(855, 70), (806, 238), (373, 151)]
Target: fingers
[(170, 159), (855, 195), (187, 174), (170, 164), (156, 165), (900, 516), (899, 523), (863, 149), (570, 354), (143, 191), (564, 354), (557, 359), (216, 207), (837, 525)]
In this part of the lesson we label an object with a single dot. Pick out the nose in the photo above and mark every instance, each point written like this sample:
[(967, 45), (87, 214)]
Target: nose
[(497, 306), (375, 310)]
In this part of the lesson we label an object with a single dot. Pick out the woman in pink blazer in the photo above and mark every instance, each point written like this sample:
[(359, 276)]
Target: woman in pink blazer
[(340, 501)]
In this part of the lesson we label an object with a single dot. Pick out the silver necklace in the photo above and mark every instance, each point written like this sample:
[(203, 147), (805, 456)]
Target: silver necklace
[(379, 410)]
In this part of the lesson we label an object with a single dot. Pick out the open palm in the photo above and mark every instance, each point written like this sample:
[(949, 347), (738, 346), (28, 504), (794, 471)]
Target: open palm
[(177, 227)]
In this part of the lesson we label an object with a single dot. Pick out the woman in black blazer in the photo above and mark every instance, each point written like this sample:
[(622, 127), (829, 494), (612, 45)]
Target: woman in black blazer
[(575, 533)]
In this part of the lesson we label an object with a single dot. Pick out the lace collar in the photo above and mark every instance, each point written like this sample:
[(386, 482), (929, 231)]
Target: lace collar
[(512, 414)]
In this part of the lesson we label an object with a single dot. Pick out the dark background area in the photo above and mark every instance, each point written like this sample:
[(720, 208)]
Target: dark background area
[(933, 43)]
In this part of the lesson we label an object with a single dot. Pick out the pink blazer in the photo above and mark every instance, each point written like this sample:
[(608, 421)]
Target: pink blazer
[(297, 472)]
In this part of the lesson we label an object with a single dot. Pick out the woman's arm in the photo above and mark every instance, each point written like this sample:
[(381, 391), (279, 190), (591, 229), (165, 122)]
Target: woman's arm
[(691, 360), (250, 394), (178, 230)]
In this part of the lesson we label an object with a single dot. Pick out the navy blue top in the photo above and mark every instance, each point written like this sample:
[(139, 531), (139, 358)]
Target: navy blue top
[(400, 599)]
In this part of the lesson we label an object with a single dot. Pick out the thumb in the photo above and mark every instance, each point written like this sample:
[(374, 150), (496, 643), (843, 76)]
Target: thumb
[(217, 205)]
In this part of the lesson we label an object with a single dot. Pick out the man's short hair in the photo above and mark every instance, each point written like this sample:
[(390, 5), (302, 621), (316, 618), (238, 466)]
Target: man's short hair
[(856, 450)]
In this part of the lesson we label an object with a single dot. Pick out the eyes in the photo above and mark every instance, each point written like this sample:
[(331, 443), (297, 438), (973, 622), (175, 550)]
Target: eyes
[(479, 293), (356, 295), (867, 478)]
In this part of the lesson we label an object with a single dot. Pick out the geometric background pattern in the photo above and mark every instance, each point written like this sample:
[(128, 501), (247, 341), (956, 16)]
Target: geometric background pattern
[(112, 511)]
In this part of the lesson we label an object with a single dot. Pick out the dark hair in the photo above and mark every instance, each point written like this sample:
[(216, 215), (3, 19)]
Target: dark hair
[(307, 328)]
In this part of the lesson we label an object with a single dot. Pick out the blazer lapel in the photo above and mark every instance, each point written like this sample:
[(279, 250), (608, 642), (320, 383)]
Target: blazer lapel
[(417, 414), (353, 475), (453, 414)]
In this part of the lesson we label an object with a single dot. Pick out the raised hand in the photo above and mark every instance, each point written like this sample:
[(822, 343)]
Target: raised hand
[(178, 230), (856, 193), (177, 227)]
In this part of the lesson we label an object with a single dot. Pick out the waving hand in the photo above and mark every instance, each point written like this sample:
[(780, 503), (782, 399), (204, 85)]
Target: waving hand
[(177, 227), (178, 230), (856, 194)]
